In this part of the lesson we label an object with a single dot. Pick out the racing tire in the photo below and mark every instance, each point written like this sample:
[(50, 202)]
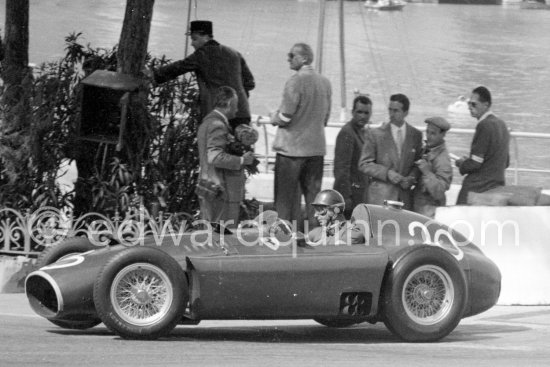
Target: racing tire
[(425, 295), (141, 293), (71, 246), (334, 323)]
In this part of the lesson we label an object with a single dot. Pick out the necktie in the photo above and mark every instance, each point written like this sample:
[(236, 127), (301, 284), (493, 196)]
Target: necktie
[(399, 142)]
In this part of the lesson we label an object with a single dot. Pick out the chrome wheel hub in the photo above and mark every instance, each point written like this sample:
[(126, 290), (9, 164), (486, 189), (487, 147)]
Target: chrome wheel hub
[(141, 294), (428, 294)]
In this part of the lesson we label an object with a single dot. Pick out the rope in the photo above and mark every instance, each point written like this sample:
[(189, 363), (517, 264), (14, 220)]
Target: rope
[(407, 58), (376, 65)]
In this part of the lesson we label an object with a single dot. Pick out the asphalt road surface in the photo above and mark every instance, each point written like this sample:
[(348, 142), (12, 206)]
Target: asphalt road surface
[(502, 336)]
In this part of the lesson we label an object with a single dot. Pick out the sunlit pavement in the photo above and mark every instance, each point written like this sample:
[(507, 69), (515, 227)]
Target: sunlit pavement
[(502, 336)]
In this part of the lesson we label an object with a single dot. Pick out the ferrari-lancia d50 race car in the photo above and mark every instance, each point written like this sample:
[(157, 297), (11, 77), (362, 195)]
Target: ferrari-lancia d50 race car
[(417, 276)]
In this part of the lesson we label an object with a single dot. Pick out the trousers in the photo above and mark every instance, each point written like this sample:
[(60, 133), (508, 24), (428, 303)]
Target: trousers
[(295, 176)]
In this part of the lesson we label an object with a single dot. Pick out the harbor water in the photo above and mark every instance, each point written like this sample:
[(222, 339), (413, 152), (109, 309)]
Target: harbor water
[(431, 52)]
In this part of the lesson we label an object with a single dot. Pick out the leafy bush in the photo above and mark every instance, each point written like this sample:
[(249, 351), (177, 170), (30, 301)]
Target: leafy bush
[(163, 174)]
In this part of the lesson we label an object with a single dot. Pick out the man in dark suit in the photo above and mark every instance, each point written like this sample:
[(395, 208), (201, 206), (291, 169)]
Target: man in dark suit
[(389, 154), (348, 179), (215, 65), (221, 177), (489, 154)]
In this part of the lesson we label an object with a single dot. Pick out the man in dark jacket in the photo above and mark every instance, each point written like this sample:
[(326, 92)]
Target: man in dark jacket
[(348, 179), (489, 154), (215, 66)]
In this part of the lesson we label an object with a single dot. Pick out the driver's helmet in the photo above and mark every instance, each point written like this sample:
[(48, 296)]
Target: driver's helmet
[(329, 198)]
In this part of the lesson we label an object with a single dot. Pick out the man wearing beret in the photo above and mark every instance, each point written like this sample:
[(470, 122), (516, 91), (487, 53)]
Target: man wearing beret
[(435, 167), (215, 65), (489, 155)]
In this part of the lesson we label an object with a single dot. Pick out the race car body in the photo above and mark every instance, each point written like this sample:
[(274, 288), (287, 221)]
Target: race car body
[(417, 276)]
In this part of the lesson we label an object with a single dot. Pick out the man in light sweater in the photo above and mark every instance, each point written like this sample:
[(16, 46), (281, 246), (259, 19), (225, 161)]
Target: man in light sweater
[(300, 140)]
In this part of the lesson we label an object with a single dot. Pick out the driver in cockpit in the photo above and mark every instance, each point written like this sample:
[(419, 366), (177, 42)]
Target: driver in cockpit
[(329, 208)]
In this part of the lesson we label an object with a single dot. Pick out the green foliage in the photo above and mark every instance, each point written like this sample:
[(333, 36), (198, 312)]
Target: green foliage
[(162, 172)]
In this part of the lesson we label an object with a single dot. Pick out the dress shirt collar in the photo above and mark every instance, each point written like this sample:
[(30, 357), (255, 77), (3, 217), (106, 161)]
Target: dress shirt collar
[(394, 130)]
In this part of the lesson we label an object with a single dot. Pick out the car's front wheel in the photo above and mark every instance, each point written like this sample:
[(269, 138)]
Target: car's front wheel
[(141, 293), (425, 295)]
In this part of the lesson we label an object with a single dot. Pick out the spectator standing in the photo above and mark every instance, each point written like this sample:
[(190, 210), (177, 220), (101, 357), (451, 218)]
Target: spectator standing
[(389, 154), (348, 179), (489, 154), (221, 175), (215, 65), (300, 139), (435, 168)]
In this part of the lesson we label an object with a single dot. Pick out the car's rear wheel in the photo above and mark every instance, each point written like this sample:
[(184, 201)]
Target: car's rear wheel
[(141, 293), (335, 323), (425, 295), (69, 247)]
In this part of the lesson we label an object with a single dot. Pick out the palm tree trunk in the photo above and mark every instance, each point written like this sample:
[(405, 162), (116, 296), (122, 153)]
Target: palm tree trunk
[(135, 36), (17, 77)]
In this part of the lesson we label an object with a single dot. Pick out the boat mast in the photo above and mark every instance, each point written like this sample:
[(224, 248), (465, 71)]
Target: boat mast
[(190, 2), (320, 36), (342, 62)]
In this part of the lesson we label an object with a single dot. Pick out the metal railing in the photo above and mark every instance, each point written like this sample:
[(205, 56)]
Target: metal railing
[(262, 122)]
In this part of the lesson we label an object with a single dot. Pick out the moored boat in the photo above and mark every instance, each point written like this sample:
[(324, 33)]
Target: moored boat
[(534, 4), (385, 4), (472, 2)]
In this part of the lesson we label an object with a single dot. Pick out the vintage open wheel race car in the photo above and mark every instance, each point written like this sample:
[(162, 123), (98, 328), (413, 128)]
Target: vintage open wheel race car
[(417, 276)]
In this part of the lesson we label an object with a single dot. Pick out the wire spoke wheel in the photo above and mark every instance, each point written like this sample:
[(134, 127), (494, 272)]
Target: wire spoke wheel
[(428, 295), (425, 295), (141, 294)]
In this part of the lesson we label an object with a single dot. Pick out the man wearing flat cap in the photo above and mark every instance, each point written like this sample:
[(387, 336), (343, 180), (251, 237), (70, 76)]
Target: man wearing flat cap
[(435, 167), (215, 65)]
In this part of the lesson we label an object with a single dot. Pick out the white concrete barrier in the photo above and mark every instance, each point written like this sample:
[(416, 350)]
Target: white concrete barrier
[(517, 239), (13, 271)]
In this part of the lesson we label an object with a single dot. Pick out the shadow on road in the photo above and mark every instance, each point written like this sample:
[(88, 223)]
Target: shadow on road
[(359, 334)]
